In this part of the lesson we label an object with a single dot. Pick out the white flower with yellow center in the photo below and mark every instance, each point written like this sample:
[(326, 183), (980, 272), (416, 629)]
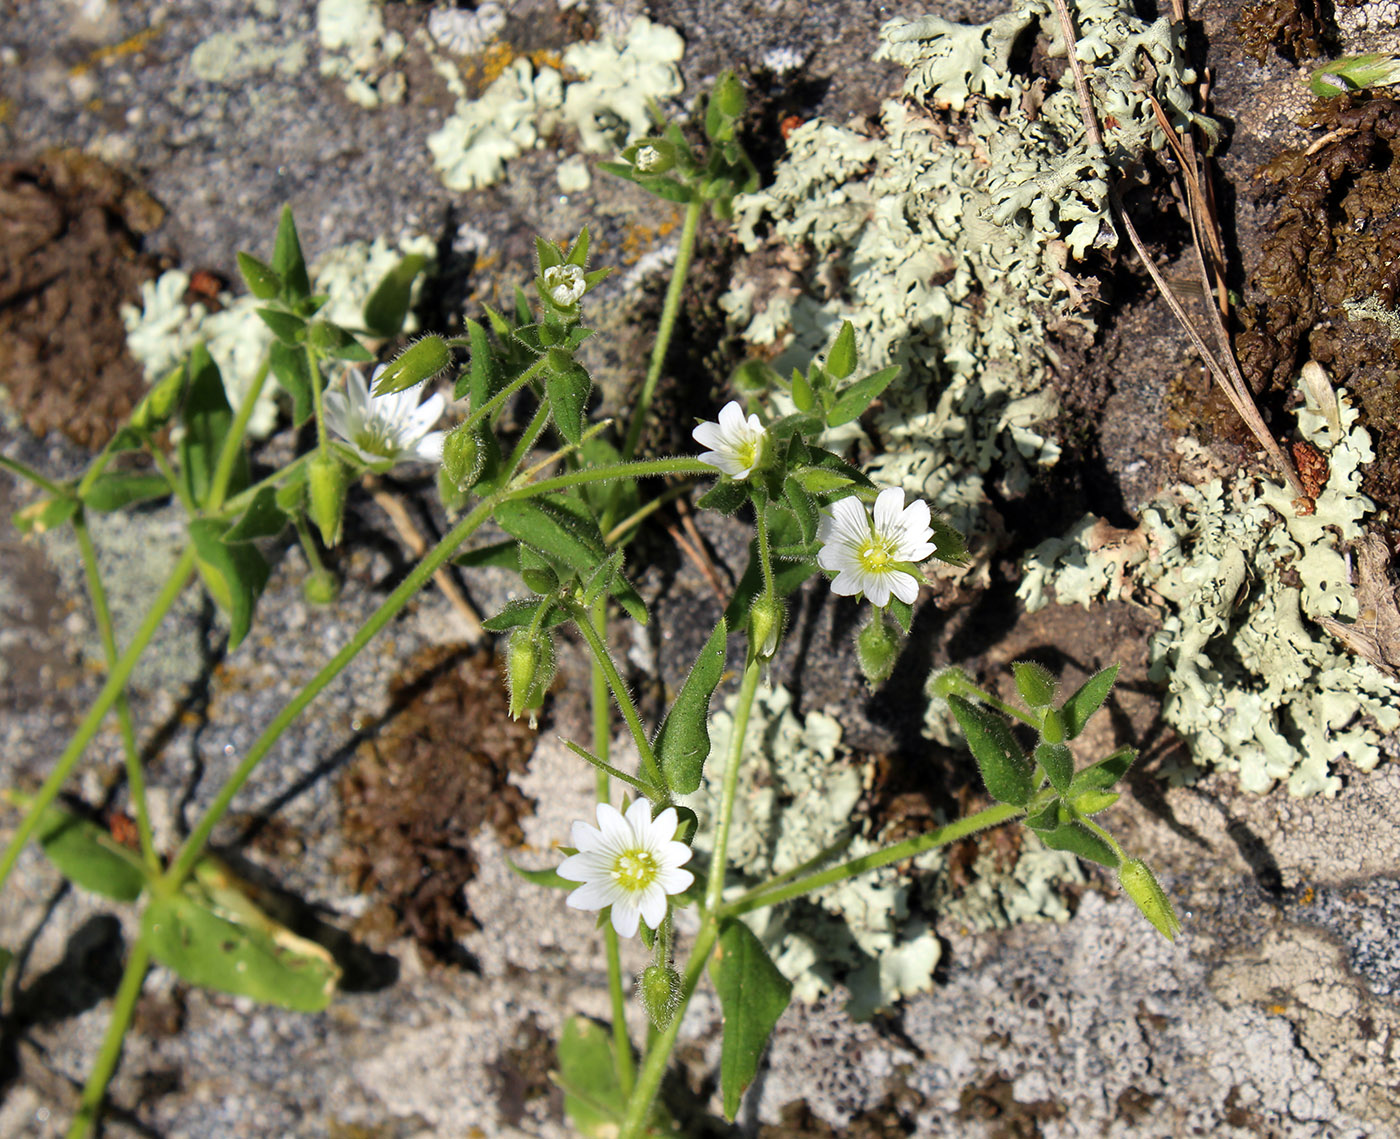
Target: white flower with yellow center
[(385, 429), (566, 284), (628, 862), (735, 443), (866, 553)]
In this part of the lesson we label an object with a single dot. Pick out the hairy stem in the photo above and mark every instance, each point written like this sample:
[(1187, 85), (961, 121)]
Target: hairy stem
[(714, 887)]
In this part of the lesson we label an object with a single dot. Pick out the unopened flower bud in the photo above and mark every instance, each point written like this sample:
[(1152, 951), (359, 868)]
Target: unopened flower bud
[(326, 480), (660, 987), (462, 456), (155, 410), (416, 364), (529, 670), (877, 647), (1139, 884), (565, 284), (766, 620), (321, 588)]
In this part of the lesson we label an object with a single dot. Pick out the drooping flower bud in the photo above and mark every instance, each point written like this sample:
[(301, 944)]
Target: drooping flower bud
[(462, 457), (326, 480), (1139, 884), (766, 619), (529, 670), (660, 987), (416, 364), (321, 588), (877, 647)]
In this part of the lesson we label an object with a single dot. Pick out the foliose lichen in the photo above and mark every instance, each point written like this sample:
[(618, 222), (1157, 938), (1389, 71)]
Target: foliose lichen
[(161, 332), (356, 48), (799, 790), (1238, 576), (950, 233)]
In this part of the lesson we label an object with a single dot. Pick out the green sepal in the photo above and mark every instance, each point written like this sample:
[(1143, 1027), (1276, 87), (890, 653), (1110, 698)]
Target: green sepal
[(234, 573), (263, 518), (289, 329), (522, 611), (483, 377), (1036, 683), (263, 281), (287, 260), (726, 496), (1080, 841), (46, 514), (422, 361), (1004, 769), (207, 418), (682, 743), (267, 962), (159, 404), (902, 612), (293, 374), (852, 402), (337, 343), (86, 854), (841, 360), (387, 307), (752, 995), (1087, 700), (548, 255), (1104, 774), (1058, 762), (578, 252), (948, 543)]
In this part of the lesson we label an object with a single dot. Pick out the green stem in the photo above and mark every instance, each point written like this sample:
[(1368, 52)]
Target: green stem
[(177, 484), (651, 506), (669, 311), (313, 365), (900, 850), (117, 677), (659, 1054), (135, 778), (999, 704), (636, 469), (123, 1006), (308, 545), (416, 579), (1085, 820), (527, 440), (233, 442), (25, 471), (714, 888), (603, 661), (244, 497), (801, 868)]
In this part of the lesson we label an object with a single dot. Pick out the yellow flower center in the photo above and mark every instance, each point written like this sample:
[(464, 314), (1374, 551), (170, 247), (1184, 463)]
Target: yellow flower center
[(747, 453), (875, 556), (635, 869)]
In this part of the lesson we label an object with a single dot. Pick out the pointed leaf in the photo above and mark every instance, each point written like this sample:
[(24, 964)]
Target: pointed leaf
[(593, 1098), (578, 252), (548, 877), (501, 554), (683, 743), (338, 343), (841, 360), (568, 400), (89, 856), (803, 508), (114, 490), (949, 544), (561, 531), (287, 260), (234, 573), (853, 401), (1058, 763), (752, 994), (726, 496), (483, 379), (1004, 769), (263, 518), (548, 253), (263, 280), (522, 611), (289, 329), (387, 307), (272, 965), (802, 394), (665, 187), (207, 418), (1078, 708), (45, 515), (1079, 840), (1104, 774), (293, 374)]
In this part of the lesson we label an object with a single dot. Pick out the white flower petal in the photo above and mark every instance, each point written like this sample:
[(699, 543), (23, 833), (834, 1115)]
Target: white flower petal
[(850, 582), (731, 418), (625, 913), (877, 588), (577, 867), (613, 825), (889, 505), (653, 905), (586, 837), (707, 434), (663, 828), (674, 853), (675, 881), (589, 896), (904, 586), (429, 448)]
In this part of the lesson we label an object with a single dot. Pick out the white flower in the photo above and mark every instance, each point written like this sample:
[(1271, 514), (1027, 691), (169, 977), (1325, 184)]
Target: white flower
[(565, 284), (864, 553), (385, 429), (647, 158), (736, 444), (631, 864)]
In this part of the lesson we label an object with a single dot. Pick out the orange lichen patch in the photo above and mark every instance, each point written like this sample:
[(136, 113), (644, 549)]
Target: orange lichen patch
[(638, 239), (544, 57), (494, 60), (129, 46)]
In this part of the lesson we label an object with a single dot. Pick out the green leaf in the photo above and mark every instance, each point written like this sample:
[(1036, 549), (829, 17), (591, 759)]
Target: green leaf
[(234, 573), (159, 404), (665, 187), (1046, 818), (46, 514), (752, 994), (600, 577), (293, 374), (89, 856), (1104, 774), (548, 254), (1078, 708), (522, 611), (626, 595), (547, 877), (802, 394), (501, 554), (1092, 802), (853, 400), (1035, 682), (558, 527), (483, 380), (755, 376), (803, 508), (1079, 840), (1058, 762), (578, 252), (263, 518), (207, 418), (593, 1097), (387, 306), (114, 490), (1004, 769), (683, 742), (537, 571), (263, 281), (901, 611), (337, 343), (289, 329), (264, 961), (726, 496), (568, 399), (287, 260), (948, 542), (841, 360)]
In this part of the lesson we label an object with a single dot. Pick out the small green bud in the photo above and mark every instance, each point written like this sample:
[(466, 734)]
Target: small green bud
[(1036, 684), (462, 457), (766, 620), (416, 364), (529, 670), (877, 647), (1139, 884), (326, 481), (660, 987), (154, 412), (1052, 727), (321, 588)]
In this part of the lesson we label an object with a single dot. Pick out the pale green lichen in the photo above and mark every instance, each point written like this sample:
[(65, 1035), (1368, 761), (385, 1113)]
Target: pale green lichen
[(250, 48), (607, 105), (1238, 577), (356, 49), (799, 790), (952, 229), (163, 329)]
